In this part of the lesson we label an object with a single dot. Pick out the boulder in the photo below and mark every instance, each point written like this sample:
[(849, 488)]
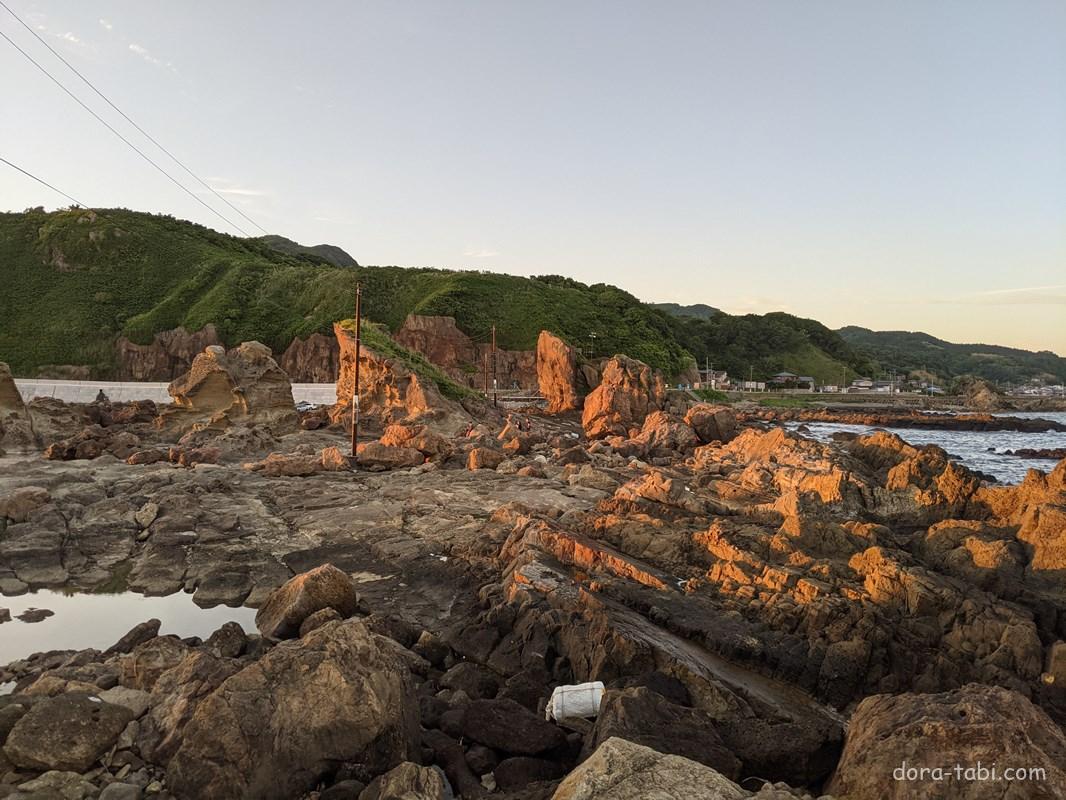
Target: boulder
[(561, 382), (67, 732), (408, 781), (484, 458), (712, 423), (665, 436), (505, 725), (284, 611), (629, 390), (976, 724), (379, 456), (419, 437), (244, 384), (621, 770), (276, 728)]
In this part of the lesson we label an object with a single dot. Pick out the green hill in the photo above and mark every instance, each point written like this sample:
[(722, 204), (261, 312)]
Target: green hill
[(327, 252), (762, 345), (75, 280), (698, 310), (906, 352)]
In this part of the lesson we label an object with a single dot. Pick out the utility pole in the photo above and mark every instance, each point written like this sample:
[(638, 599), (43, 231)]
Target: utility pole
[(494, 402), (355, 385), (486, 366)]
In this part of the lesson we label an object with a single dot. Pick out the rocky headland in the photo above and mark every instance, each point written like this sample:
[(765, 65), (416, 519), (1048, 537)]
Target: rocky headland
[(770, 616)]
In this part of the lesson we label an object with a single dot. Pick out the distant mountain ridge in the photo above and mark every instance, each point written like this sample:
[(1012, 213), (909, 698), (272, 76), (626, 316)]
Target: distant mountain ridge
[(913, 351), (329, 252)]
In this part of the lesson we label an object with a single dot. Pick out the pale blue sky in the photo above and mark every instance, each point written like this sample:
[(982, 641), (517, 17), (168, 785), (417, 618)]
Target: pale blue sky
[(886, 164)]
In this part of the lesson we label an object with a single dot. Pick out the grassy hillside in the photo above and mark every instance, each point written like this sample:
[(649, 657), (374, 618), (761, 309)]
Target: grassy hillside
[(329, 253), (904, 351), (761, 345), (698, 310), (75, 280)]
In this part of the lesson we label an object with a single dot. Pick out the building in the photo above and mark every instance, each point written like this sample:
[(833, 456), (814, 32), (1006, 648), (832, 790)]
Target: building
[(714, 379), (861, 385)]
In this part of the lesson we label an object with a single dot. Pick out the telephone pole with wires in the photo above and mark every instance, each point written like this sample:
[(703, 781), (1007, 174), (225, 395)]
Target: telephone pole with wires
[(494, 384), (355, 385)]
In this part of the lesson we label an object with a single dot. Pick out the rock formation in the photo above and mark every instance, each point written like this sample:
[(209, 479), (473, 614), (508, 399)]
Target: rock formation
[(315, 359), (16, 430), (337, 696), (891, 739), (628, 391), (390, 392), (461, 358), (563, 378), (242, 385), (167, 356)]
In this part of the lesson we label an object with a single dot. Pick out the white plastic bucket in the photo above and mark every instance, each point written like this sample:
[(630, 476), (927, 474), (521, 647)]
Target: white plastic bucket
[(578, 700)]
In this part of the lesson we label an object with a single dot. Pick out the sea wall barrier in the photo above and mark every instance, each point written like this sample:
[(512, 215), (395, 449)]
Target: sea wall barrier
[(122, 391)]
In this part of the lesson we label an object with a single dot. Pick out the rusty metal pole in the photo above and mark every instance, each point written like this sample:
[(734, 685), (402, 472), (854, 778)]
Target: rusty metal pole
[(494, 403), (355, 385)]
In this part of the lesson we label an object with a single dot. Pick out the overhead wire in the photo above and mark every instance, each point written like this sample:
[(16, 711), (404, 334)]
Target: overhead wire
[(43, 182), (125, 116), (128, 143)]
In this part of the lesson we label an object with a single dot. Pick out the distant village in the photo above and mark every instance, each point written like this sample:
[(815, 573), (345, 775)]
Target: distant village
[(790, 382)]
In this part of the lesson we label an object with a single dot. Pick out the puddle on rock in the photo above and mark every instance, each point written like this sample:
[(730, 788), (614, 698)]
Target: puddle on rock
[(99, 620)]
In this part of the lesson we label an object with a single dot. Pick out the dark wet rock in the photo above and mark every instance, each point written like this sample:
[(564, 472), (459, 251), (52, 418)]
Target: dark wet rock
[(640, 715), (481, 759), (449, 755), (281, 616), (229, 641), (138, 634), (67, 732), (509, 727), (518, 771), (477, 681), (348, 789), (35, 615), (336, 696)]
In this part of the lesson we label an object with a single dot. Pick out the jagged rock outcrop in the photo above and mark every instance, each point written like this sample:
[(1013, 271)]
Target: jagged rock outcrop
[(167, 356), (712, 423), (465, 361), (242, 385), (16, 430), (562, 382), (338, 696), (315, 359), (976, 725), (629, 390), (390, 392)]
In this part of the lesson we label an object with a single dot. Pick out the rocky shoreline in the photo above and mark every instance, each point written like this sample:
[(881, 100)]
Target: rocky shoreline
[(770, 616)]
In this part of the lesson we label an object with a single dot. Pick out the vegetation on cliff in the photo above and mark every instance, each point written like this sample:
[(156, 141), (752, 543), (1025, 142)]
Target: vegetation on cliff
[(75, 280), (376, 337)]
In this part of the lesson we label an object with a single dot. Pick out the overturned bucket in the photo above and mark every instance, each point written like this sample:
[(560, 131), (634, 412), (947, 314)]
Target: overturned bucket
[(577, 700)]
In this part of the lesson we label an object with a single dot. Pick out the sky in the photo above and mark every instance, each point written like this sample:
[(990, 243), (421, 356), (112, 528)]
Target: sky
[(898, 166)]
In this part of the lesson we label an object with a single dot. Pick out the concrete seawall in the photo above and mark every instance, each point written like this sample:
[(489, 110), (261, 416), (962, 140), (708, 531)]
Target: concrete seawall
[(86, 391)]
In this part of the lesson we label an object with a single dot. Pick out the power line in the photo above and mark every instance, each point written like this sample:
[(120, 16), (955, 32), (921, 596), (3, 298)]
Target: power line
[(125, 116), (129, 144), (44, 182)]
